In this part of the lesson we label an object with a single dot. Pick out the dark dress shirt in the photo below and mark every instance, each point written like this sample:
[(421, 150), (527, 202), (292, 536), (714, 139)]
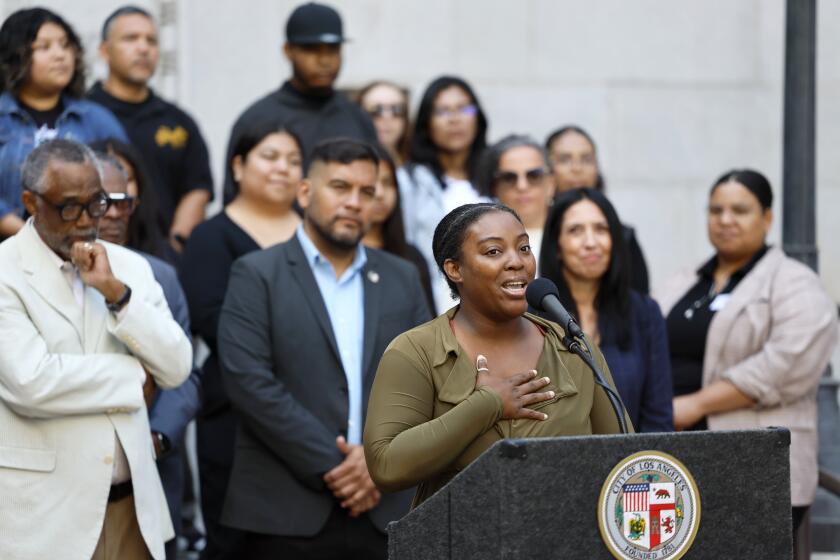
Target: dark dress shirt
[(170, 142)]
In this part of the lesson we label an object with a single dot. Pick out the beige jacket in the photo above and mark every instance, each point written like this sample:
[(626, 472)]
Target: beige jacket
[(772, 340), (70, 378)]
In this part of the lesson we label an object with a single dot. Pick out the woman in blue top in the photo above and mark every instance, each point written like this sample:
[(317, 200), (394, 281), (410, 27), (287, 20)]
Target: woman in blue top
[(42, 79), (584, 253)]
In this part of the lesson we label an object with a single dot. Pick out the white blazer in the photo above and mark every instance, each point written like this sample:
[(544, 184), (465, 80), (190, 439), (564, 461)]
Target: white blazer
[(68, 381)]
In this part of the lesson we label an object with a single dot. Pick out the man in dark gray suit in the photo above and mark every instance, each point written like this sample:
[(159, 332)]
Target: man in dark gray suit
[(301, 332), (173, 409)]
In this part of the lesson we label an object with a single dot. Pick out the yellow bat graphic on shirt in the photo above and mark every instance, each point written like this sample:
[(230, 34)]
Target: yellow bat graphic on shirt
[(175, 137)]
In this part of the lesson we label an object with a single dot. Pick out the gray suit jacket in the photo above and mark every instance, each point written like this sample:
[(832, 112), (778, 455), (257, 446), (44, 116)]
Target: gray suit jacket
[(281, 368), (173, 409)]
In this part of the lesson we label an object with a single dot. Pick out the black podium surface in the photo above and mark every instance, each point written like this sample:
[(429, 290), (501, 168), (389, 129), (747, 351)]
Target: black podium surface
[(539, 498)]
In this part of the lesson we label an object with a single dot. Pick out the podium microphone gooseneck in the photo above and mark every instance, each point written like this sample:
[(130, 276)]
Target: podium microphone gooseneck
[(542, 295)]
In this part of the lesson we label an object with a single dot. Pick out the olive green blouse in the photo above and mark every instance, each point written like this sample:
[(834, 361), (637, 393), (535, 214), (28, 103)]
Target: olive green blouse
[(426, 420)]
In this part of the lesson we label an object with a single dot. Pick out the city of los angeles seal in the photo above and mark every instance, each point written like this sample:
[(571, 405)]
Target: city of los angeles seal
[(649, 508)]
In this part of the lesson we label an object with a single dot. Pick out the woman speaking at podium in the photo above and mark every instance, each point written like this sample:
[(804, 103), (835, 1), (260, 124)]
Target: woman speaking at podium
[(483, 371)]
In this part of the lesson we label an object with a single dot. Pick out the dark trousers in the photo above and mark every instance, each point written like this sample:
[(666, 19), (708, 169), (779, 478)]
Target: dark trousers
[(171, 471), (215, 437), (798, 515), (342, 538)]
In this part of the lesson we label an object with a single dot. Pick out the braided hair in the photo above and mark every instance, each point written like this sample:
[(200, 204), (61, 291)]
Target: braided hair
[(452, 229)]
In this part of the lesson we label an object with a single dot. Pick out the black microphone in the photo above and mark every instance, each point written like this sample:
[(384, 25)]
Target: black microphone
[(542, 295)]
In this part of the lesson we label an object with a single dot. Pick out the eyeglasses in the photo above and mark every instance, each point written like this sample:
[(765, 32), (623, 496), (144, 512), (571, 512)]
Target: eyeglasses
[(586, 160), (124, 203), (72, 211), (463, 111), (509, 179), (383, 109)]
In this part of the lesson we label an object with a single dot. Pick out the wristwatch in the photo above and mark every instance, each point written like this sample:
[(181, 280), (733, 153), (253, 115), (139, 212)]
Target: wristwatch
[(163, 443), (120, 303)]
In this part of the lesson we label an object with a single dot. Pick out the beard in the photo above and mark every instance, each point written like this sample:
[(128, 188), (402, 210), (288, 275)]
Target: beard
[(62, 244), (339, 242)]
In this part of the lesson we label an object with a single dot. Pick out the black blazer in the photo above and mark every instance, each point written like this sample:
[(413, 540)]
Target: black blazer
[(281, 368)]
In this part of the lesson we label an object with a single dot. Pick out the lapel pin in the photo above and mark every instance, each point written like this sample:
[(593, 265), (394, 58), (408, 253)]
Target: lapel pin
[(373, 276)]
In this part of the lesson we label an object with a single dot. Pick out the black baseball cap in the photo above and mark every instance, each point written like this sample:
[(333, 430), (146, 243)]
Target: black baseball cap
[(314, 24)]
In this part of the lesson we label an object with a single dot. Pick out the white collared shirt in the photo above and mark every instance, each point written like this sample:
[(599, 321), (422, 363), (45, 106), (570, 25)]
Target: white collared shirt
[(70, 272)]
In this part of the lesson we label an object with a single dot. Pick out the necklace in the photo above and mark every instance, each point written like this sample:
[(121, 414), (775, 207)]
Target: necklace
[(706, 298)]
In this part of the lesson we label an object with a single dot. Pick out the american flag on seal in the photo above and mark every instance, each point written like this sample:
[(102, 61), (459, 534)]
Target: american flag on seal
[(636, 497)]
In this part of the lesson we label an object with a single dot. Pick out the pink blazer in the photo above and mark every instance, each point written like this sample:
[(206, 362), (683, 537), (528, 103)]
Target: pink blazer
[(772, 340)]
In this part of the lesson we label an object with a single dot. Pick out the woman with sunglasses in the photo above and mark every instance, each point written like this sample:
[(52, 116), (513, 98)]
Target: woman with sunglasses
[(515, 171), (449, 138), (584, 254), (387, 105), (42, 80)]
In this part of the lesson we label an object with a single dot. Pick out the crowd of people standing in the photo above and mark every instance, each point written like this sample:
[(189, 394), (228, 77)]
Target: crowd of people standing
[(345, 225)]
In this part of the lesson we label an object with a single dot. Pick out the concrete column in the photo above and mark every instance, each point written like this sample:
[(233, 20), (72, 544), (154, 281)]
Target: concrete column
[(799, 202)]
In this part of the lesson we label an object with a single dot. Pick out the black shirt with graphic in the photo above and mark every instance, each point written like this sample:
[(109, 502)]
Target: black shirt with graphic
[(170, 143), (46, 118)]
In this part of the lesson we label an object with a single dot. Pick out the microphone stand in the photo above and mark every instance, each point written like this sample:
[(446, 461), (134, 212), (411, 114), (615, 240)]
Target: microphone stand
[(583, 353)]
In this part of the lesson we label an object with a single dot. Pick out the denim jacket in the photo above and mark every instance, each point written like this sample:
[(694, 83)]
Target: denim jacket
[(81, 120)]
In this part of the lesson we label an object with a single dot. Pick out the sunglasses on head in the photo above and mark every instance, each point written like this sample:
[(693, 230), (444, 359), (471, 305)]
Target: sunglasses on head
[(382, 109), (509, 179)]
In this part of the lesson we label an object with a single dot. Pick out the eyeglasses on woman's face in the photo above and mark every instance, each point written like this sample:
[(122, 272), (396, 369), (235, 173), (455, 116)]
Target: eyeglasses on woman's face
[(469, 110)]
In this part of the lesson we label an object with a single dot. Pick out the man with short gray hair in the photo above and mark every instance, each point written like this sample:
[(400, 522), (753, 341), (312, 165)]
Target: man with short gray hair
[(85, 337)]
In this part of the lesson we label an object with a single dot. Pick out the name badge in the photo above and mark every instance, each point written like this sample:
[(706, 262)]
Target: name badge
[(719, 302)]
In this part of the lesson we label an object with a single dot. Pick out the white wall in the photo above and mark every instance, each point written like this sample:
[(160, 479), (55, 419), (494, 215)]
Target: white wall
[(674, 92)]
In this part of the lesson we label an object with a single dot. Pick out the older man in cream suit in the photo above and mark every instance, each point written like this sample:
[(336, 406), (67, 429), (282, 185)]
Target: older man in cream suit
[(85, 334)]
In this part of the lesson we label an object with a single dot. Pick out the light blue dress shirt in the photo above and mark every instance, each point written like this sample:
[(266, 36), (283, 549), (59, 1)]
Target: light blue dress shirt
[(344, 299)]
